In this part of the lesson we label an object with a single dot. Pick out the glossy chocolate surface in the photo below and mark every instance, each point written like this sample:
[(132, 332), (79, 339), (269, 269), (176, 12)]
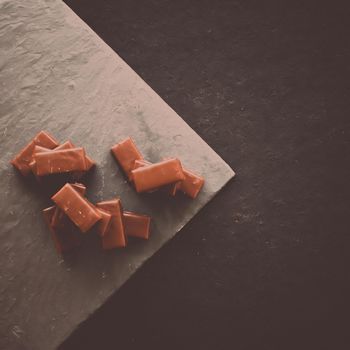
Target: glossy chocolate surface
[(61, 161), (158, 174), (22, 160), (126, 153), (76, 207), (136, 225)]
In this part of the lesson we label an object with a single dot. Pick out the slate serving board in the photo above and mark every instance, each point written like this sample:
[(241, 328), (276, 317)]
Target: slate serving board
[(57, 74)]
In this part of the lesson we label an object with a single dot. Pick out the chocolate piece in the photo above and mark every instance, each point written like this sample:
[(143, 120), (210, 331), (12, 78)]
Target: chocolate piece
[(78, 208), (126, 153), (44, 139), (105, 222), (171, 189), (115, 235), (192, 184), (24, 157), (60, 161), (58, 213), (136, 225), (158, 174), (65, 235), (76, 174), (68, 145)]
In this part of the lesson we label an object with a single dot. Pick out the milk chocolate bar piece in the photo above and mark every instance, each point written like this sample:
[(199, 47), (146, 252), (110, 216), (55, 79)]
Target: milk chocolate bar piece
[(44, 139), (136, 225), (125, 152), (171, 189), (191, 185), (77, 208), (76, 174), (24, 157), (115, 235), (68, 145), (65, 236), (105, 222), (58, 214), (60, 161), (158, 174)]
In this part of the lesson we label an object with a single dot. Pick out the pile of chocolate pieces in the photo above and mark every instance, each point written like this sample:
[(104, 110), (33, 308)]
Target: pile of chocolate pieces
[(74, 214), (45, 156), (147, 177)]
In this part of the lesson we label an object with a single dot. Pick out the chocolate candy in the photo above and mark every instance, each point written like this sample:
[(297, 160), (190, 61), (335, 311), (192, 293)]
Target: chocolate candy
[(24, 157), (170, 189), (77, 208), (68, 145), (44, 139), (58, 214), (126, 153), (60, 161), (136, 225), (153, 176), (114, 237), (190, 185)]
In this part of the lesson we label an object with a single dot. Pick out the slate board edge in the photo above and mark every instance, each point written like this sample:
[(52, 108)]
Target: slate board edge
[(103, 43)]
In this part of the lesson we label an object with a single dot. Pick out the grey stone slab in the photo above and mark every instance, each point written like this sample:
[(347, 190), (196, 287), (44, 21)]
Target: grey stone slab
[(57, 74)]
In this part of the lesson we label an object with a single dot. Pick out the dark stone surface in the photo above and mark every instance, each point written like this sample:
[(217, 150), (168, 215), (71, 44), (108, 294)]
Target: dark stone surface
[(264, 266)]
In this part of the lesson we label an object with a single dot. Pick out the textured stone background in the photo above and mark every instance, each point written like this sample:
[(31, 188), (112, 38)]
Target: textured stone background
[(266, 84)]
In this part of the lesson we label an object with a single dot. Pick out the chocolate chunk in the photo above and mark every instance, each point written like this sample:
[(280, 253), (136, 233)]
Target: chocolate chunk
[(158, 174), (68, 145), (44, 139), (58, 213), (78, 209), (136, 225), (126, 153), (190, 185), (60, 161)]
